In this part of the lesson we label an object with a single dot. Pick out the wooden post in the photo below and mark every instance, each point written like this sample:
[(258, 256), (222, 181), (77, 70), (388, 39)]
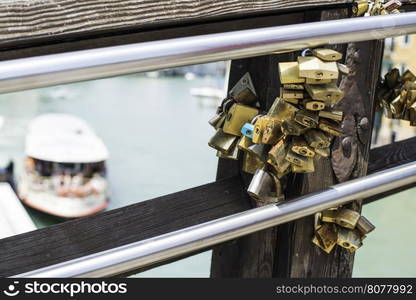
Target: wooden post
[(287, 251)]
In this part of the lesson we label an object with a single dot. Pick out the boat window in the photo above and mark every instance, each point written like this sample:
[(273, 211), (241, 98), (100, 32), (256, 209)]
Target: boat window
[(47, 168)]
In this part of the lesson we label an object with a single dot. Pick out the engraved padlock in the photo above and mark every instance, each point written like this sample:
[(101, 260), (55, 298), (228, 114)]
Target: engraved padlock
[(237, 116), (243, 91), (222, 141), (327, 235), (317, 139), (313, 67)]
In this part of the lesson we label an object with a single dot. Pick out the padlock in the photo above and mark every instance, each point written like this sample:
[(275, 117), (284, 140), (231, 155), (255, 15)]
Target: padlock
[(233, 153), (364, 226), (291, 94), (291, 127), (296, 159), (317, 81), (324, 152), (412, 114), (347, 218), (360, 7), (349, 239), (237, 116), (251, 163), (396, 107), (262, 186), (278, 152), (259, 150), (313, 104), (392, 78), (343, 69), (222, 141), (217, 121), (243, 91), (392, 5), (313, 67), (281, 169), (317, 139), (327, 54), (327, 235), (329, 93), (333, 115), (331, 127), (301, 147), (289, 73), (293, 86), (259, 127), (272, 133), (329, 216), (307, 167), (407, 76), (247, 130), (282, 110), (244, 143), (307, 118), (411, 98), (292, 101)]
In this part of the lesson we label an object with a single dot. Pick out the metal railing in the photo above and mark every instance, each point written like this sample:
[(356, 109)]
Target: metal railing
[(35, 72), (160, 248)]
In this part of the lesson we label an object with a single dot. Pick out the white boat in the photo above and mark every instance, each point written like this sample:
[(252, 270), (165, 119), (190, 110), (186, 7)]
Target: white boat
[(64, 171)]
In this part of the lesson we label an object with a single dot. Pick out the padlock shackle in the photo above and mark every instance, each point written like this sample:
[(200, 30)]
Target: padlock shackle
[(48, 70), (161, 248)]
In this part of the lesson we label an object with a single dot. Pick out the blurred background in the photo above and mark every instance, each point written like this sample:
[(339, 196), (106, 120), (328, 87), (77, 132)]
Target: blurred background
[(156, 123)]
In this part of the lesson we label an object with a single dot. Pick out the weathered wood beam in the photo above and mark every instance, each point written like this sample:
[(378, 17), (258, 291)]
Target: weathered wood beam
[(121, 226)]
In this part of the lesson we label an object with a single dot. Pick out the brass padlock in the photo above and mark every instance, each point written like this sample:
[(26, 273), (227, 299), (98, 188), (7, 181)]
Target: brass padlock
[(343, 69), (233, 154), (327, 235), (292, 101), (329, 93), (272, 133), (317, 81), (217, 121), (293, 86), (347, 218), (307, 118), (301, 147), (259, 127), (291, 94), (392, 78), (327, 54), (313, 67), (281, 169), (408, 76), (262, 186), (244, 143), (329, 216), (222, 141), (259, 150), (333, 115), (331, 127), (307, 167), (278, 153), (396, 107), (282, 110), (291, 127), (317, 139), (251, 163), (296, 159), (313, 104), (289, 73), (360, 7), (237, 116), (324, 152), (349, 239), (243, 91), (364, 226)]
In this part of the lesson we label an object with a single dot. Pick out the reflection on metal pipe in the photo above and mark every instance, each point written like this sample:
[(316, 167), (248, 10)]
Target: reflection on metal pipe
[(34, 72), (158, 249)]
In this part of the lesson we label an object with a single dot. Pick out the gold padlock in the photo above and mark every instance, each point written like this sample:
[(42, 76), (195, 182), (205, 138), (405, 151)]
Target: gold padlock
[(364, 226), (291, 127), (296, 159), (396, 107), (307, 118), (233, 154), (333, 115), (243, 91), (313, 104), (259, 150), (327, 54), (272, 133), (301, 147), (222, 141), (237, 116), (347, 218), (329, 93), (324, 152), (291, 94), (349, 239), (343, 69), (360, 7), (281, 169), (392, 78), (317, 81), (217, 121), (327, 236), (329, 216), (307, 167), (313, 67), (292, 101), (289, 73), (251, 163), (259, 127), (293, 86), (244, 143), (408, 76), (282, 110), (278, 152), (317, 139), (330, 126)]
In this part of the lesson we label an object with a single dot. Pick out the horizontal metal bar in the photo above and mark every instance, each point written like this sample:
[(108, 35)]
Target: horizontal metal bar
[(158, 249), (35, 72)]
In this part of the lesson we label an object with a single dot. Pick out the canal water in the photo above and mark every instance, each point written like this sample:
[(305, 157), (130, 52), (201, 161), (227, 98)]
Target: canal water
[(157, 133)]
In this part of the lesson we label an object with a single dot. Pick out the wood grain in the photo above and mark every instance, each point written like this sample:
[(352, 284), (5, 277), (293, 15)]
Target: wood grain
[(121, 226)]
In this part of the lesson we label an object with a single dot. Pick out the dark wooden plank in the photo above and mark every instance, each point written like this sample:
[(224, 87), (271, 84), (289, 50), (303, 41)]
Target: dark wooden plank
[(121, 226), (22, 20)]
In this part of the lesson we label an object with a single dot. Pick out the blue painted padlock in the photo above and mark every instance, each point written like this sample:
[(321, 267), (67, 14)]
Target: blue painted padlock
[(247, 130)]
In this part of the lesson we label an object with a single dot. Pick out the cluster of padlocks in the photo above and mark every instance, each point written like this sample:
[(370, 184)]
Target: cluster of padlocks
[(397, 96), (380, 7), (290, 137)]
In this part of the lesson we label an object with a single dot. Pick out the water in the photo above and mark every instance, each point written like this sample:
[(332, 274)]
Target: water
[(157, 134)]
